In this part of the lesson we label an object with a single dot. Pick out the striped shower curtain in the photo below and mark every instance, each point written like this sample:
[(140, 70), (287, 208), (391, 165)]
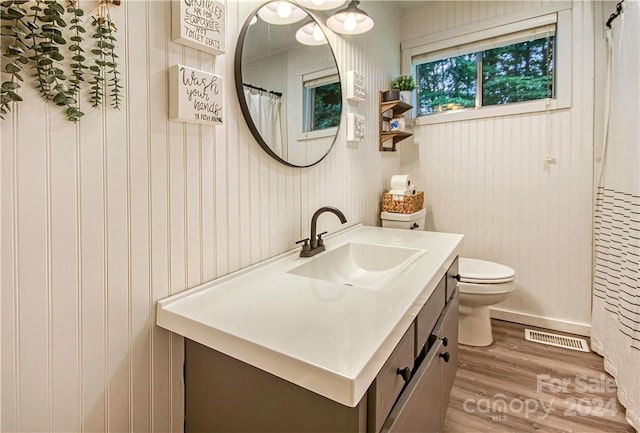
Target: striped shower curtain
[(615, 332)]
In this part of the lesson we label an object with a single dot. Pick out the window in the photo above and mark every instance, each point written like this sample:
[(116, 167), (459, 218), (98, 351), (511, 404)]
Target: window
[(322, 102), (513, 68), (499, 67), (447, 84)]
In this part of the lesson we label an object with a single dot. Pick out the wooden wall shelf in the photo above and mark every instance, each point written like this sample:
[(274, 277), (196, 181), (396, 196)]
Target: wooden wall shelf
[(390, 110)]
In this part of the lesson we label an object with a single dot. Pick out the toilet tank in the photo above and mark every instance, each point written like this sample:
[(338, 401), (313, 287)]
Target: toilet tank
[(410, 221)]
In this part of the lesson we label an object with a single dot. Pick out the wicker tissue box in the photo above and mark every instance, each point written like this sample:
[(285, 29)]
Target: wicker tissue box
[(408, 204)]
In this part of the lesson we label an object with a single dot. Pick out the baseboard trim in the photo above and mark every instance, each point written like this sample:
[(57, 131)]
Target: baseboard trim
[(541, 322)]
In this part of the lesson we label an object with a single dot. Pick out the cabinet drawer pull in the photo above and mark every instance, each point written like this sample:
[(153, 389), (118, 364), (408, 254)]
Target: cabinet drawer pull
[(445, 356), (405, 373), (445, 341)]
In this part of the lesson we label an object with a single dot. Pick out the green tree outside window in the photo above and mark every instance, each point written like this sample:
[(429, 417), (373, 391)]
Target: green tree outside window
[(514, 73), (518, 72), (327, 106)]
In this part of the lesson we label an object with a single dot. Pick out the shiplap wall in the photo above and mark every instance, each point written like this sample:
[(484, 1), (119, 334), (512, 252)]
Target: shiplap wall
[(102, 218), (487, 178)]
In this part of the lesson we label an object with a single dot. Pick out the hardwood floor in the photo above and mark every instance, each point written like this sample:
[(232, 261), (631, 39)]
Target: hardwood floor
[(516, 385)]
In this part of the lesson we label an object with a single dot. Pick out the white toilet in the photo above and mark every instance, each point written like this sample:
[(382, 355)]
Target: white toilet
[(481, 284)]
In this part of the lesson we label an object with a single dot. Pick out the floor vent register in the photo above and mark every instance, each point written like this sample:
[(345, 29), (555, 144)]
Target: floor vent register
[(556, 340)]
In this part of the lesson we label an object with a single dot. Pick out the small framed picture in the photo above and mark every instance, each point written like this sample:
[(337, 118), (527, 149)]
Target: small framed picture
[(199, 24), (355, 127), (195, 96), (355, 87)]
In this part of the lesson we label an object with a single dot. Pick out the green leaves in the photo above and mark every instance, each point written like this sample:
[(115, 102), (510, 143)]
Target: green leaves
[(73, 114), (518, 72), (403, 82), (47, 42), (14, 11), (78, 66), (105, 64), (12, 68), (14, 27), (41, 35)]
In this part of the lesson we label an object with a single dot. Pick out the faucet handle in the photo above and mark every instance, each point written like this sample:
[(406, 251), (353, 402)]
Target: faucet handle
[(320, 240), (305, 246)]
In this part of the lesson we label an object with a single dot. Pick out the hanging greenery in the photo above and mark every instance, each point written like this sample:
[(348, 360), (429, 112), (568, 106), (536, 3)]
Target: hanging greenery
[(35, 34), (104, 71), (15, 28), (78, 65)]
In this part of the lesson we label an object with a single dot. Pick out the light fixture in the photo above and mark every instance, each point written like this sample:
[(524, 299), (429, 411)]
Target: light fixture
[(320, 5), (311, 34), (350, 20), (281, 13)]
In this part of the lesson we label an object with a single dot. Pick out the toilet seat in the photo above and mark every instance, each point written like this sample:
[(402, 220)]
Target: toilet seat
[(484, 272)]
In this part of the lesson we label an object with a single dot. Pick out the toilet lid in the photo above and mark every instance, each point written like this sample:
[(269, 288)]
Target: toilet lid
[(482, 271)]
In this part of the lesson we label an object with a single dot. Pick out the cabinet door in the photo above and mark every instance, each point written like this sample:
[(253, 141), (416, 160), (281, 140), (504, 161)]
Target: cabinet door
[(428, 315), (446, 332), (419, 407), (389, 382), (452, 278)]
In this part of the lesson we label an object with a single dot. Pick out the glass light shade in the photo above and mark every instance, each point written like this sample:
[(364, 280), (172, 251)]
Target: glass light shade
[(350, 20), (320, 5), (281, 13), (310, 34)]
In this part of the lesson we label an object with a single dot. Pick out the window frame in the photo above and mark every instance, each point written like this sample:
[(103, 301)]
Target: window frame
[(475, 34), (318, 75)]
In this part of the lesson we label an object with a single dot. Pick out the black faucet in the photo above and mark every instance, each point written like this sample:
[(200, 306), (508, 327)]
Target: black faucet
[(317, 244)]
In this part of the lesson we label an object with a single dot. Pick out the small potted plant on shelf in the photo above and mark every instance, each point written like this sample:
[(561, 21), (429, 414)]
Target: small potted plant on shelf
[(401, 89)]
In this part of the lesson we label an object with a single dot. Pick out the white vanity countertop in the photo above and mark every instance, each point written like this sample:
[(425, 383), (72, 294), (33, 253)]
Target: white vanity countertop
[(326, 337)]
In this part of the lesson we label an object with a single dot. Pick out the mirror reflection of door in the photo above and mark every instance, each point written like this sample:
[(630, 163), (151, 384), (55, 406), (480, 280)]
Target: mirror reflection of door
[(289, 91)]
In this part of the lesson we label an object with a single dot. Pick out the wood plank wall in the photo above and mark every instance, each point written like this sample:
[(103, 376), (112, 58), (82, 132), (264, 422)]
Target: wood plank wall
[(101, 219), (487, 178)]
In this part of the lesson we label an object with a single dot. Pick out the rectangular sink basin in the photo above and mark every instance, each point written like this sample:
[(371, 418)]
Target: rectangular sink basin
[(369, 266)]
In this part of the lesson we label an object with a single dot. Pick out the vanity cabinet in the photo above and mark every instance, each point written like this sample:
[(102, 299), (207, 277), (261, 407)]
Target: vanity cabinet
[(452, 276), (446, 334), (390, 382), (423, 404), (223, 394), (410, 392), (419, 408), (429, 315)]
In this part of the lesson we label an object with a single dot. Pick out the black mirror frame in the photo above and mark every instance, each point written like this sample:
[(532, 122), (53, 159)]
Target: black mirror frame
[(243, 103)]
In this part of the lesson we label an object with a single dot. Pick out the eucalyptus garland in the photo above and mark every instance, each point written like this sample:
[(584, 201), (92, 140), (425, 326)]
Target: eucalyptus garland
[(78, 65), (15, 28), (35, 34), (104, 71)]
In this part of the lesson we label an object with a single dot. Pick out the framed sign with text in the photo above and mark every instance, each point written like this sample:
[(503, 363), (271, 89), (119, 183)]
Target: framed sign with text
[(199, 24), (195, 96), (355, 87), (355, 127)]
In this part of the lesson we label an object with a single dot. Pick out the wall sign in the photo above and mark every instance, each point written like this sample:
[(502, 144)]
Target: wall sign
[(355, 87), (355, 127), (199, 24), (195, 96)]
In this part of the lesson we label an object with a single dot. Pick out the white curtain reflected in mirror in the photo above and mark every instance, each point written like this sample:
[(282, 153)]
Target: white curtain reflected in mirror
[(265, 108)]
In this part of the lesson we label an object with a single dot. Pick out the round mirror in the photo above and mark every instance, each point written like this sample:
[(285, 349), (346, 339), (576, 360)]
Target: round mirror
[(288, 84)]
